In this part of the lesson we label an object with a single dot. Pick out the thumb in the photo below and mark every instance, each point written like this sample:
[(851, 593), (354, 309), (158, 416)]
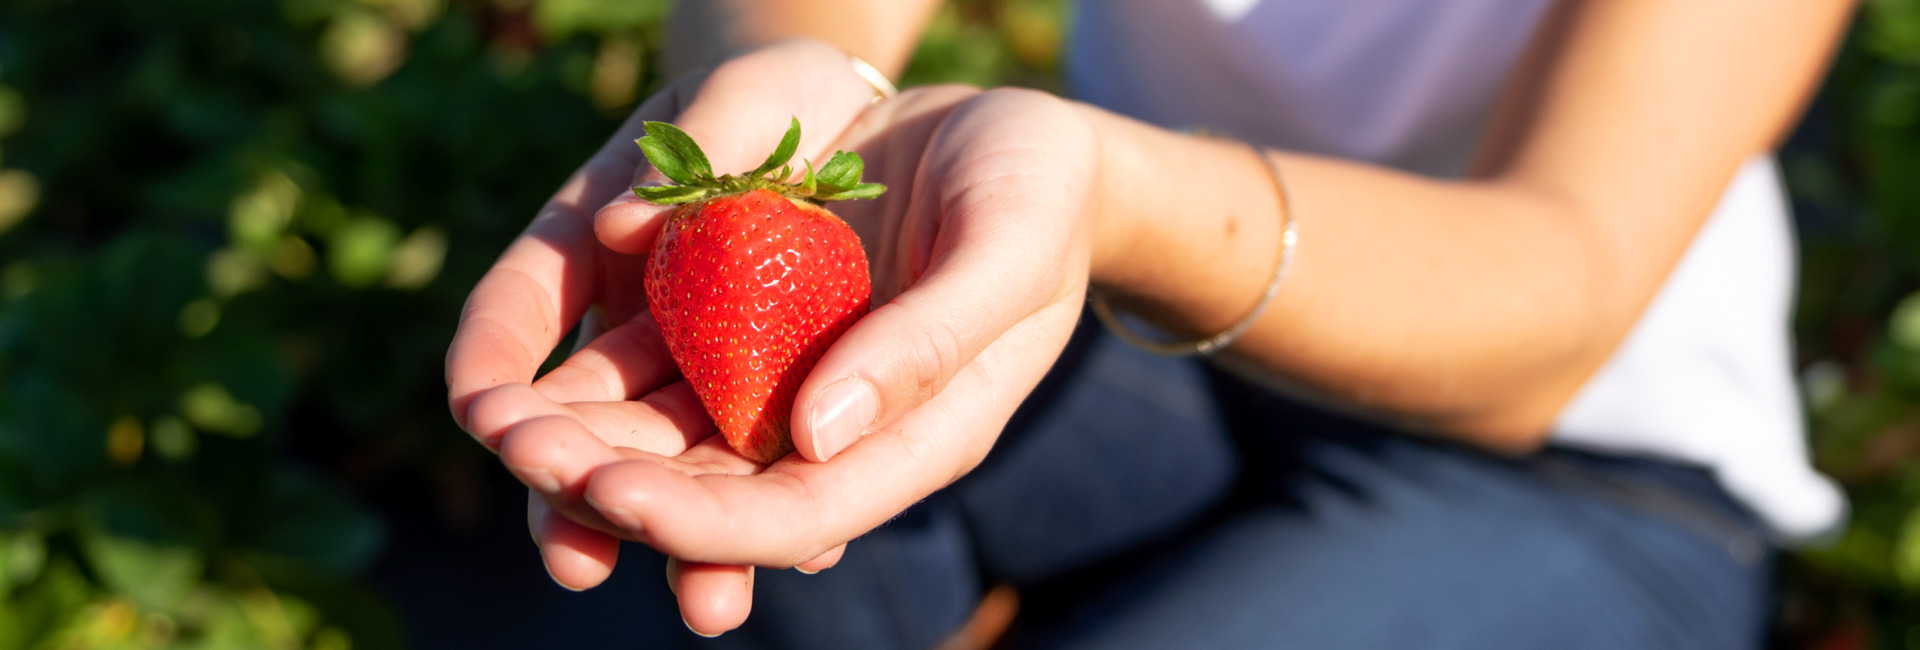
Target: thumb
[(906, 351), (995, 212)]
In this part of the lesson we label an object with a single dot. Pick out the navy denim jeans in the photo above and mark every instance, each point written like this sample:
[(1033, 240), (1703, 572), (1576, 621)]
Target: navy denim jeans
[(1145, 502)]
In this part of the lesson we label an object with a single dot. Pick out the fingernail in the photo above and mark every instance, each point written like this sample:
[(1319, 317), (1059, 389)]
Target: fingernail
[(616, 515), (540, 479), (806, 571), (683, 621), (841, 415), (550, 576), (673, 579)]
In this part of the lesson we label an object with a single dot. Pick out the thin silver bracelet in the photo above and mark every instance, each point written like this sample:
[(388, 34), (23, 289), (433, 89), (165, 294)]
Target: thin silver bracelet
[(1289, 238)]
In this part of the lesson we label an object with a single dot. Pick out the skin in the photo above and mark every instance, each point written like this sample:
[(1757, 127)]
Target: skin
[(1472, 309)]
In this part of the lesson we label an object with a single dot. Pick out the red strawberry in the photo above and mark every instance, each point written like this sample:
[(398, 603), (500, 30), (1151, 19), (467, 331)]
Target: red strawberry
[(751, 279)]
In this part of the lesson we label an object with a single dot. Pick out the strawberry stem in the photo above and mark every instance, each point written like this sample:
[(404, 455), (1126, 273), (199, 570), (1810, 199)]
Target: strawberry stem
[(682, 161)]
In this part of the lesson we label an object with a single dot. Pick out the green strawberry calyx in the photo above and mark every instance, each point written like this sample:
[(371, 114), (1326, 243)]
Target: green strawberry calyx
[(678, 158)]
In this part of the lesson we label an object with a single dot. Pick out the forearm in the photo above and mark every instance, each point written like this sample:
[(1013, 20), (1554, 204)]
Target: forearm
[(1473, 308), (883, 32)]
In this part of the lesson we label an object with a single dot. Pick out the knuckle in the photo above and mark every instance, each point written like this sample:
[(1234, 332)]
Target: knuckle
[(1047, 284), (932, 358), (488, 417), (523, 442)]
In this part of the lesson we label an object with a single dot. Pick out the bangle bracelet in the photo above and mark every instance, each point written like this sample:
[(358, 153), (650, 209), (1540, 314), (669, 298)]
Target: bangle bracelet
[(1288, 239), (882, 88)]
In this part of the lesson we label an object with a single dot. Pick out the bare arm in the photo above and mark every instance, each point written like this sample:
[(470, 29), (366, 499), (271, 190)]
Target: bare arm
[(1475, 308)]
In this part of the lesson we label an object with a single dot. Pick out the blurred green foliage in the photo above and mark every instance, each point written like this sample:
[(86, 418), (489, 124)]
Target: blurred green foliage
[(228, 229), (1854, 172), (231, 228)]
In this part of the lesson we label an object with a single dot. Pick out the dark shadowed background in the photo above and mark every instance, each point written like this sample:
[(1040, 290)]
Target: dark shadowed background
[(235, 235)]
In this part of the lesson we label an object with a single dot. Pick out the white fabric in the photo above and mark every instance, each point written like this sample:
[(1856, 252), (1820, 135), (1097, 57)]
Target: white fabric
[(1704, 377)]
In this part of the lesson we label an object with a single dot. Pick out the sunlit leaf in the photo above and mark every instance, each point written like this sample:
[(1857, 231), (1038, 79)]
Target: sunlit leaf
[(363, 47), (558, 19), (417, 260), (209, 406), (362, 250), (19, 193), (232, 271), (155, 576), (292, 258), (1904, 326), (22, 554), (616, 72), (173, 439), (257, 217)]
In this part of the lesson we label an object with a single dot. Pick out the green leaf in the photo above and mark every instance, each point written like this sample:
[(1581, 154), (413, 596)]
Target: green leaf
[(1906, 550), (675, 154), (1904, 326), (842, 171), (45, 606), (808, 183), (671, 194), (155, 576), (361, 250), (789, 143), (861, 191), (21, 557)]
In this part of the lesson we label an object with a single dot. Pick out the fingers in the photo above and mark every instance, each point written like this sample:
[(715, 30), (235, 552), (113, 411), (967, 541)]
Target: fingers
[(737, 117), (823, 562), (545, 279), (514, 316), (713, 598), (665, 421), (622, 363), (993, 233), (553, 456), (795, 511), (577, 557)]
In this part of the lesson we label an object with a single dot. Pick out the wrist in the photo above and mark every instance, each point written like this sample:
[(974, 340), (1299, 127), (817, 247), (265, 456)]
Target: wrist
[(1113, 226), (1187, 229)]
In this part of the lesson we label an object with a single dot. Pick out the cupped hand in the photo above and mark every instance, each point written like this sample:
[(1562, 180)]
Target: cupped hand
[(979, 253), (620, 381)]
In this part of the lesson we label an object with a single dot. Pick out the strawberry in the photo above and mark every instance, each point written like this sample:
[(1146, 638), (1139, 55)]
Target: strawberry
[(751, 279)]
